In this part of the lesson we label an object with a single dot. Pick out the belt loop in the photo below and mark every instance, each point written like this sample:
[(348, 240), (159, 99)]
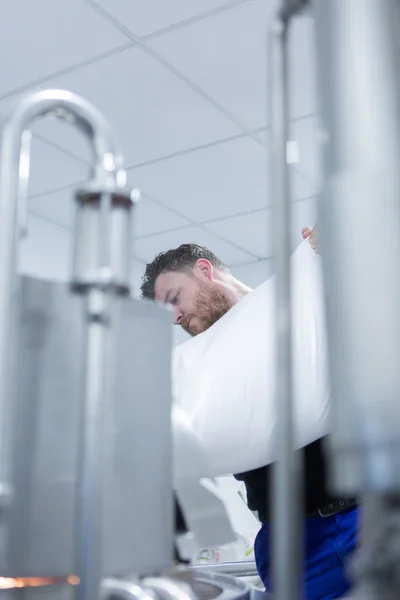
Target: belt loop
[(337, 507)]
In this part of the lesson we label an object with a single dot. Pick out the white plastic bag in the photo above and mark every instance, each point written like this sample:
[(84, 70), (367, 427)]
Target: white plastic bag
[(224, 378)]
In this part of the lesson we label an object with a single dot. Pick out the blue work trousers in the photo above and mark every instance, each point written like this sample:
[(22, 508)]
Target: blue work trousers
[(328, 543)]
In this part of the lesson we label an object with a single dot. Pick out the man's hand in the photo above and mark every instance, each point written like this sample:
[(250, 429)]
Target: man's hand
[(311, 233)]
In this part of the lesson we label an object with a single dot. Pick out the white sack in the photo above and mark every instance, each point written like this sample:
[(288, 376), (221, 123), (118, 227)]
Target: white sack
[(224, 378)]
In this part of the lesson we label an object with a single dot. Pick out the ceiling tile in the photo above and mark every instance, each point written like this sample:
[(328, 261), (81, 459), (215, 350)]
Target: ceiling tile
[(301, 187), (51, 168), (255, 273), (217, 181), (253, 231), (303, 97), (41, 37), (46, 251), (305, 132), (147, 248), (232, 66), (302, 172), (65, 136), (153, 112), (150, 217), (57, 207), (146, 17)]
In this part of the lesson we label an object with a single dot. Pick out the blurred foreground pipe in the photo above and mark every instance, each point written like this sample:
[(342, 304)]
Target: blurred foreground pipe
[(286, 502), (360, 236)]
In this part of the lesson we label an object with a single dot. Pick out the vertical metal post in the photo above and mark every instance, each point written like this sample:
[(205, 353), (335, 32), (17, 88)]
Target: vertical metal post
[(90, 513), (286, 546), (357, 57), (360, 235), (101, 272)]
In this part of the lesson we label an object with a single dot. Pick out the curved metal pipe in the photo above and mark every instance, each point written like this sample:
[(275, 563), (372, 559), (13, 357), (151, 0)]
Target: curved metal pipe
[(169, 589), (14, 167), (121, 589), (238, 569), (107, 157)]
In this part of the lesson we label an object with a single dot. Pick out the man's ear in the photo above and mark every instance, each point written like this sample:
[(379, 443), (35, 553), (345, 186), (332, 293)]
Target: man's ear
[(205, 268)]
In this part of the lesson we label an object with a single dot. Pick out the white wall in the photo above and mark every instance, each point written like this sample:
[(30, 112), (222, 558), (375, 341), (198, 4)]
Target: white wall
[(255, 273)]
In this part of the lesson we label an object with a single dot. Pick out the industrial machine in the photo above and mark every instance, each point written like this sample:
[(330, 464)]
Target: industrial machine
[(86, 501)]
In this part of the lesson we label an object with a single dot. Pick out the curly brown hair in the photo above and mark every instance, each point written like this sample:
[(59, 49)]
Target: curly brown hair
[(179, 259)]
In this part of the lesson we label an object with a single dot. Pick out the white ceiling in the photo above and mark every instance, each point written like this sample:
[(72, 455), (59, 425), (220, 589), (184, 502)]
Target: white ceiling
[(184, 84)]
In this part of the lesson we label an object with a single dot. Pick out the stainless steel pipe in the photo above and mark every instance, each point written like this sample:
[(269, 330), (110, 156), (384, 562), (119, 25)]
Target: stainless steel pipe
[(238, 569), (123, 589), (359, 97), (287, 496)]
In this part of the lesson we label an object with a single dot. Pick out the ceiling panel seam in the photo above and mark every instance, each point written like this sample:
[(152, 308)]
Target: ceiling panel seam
[(203, 224), (198, 225), (190, 222), (137, 41), (67, 70), (61, 149), (246, 213), (175, 71), (153, 35), (141, 43), (200, 147), (169, 156), (65, 229), (162, 232), (251, 262), (192, 20), (180, 153), (69, 186)]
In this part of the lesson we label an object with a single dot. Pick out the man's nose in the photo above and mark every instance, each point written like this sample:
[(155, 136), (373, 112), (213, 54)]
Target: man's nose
[(178, 316)]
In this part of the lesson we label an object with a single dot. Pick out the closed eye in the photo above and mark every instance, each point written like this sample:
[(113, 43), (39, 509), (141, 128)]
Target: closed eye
[(175, 300)]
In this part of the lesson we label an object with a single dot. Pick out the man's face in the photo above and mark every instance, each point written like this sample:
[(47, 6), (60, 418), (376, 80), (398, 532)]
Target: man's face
[(198, 300)]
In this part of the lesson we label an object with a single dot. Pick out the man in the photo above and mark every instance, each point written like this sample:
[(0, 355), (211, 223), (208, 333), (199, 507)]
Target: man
[(201, 289)]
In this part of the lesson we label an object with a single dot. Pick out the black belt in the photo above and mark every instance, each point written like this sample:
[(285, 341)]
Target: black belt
[(334, 508)]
